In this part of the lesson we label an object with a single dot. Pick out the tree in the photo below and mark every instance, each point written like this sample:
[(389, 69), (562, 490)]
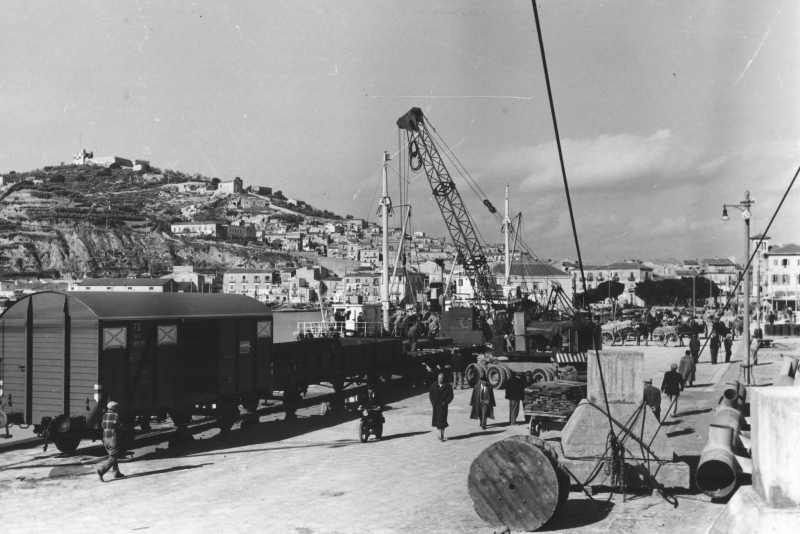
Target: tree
[(601, 292), (323, 288)]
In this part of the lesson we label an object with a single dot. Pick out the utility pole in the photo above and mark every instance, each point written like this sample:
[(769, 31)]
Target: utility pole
[(385, 205)]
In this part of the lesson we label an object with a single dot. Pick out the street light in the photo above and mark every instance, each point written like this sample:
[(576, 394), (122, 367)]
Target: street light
[(744, 207)]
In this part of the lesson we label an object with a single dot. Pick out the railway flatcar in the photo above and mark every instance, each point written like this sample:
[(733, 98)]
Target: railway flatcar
[(65, 355)]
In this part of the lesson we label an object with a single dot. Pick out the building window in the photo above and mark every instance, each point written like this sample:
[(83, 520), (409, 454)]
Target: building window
[(231, 287), (130, 289), (244, 278), (774, 279), (150, 288), (244, 288), (108, 289), (784, 263), (257, 279), (785, 279), (775, 262)]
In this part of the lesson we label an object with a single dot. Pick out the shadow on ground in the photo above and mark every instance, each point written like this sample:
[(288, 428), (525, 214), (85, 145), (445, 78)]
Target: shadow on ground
[(578, 513)]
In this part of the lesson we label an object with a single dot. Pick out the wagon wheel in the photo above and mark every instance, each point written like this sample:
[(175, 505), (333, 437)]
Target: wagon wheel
[(671, 339), (64, 443), (608, 338)]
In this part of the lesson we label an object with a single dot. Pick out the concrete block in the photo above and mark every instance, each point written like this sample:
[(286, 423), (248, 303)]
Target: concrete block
[(775, 433), (669, 475), (747, 512), (586, 432), (623, 374)]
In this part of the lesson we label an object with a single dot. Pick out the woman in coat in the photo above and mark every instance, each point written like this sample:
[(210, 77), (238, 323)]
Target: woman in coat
[(687, 369), (441, 396), (482, 401)]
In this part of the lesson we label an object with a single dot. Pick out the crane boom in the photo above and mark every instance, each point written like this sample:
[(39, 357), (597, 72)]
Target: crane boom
[(459, 225)]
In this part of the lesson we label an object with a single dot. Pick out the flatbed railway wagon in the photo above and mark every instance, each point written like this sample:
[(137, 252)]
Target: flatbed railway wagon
[(66, 355), (338, 362)]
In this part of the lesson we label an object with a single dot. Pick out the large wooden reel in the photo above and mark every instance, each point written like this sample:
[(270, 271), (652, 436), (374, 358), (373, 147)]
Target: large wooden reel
[(517, 483)]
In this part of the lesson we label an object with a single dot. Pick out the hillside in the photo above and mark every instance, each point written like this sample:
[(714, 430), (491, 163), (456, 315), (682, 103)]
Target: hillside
[(76, 221)]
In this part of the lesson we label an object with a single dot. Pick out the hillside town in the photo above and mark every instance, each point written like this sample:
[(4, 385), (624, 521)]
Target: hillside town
[(341, 256)]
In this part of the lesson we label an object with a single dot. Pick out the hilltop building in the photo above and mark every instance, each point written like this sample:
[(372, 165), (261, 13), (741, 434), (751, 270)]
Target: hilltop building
[(138, 285)]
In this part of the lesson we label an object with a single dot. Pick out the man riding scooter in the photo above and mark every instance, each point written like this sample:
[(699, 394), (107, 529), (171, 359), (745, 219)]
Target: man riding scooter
[(371, 409)]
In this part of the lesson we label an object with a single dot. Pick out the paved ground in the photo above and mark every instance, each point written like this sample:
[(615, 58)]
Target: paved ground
[(314, 476)]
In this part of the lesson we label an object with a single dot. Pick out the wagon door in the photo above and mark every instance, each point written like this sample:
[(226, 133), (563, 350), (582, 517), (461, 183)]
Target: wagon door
[(228, 351), (49, 385), (15, 361)]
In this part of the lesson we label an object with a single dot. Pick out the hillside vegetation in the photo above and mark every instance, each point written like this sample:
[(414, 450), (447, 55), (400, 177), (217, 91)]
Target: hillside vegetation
[(115, 223)]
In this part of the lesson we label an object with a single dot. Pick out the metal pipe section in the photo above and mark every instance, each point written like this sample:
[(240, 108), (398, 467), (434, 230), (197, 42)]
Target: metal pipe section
[(718, 469)]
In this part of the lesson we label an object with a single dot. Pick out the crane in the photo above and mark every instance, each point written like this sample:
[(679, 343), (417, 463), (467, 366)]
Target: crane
[(468, 247)]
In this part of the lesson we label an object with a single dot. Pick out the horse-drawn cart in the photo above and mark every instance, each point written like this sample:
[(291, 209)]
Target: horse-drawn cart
[(666, 336)]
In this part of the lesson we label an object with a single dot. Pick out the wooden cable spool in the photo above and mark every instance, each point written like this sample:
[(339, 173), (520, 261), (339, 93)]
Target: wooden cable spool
[(518, 483)]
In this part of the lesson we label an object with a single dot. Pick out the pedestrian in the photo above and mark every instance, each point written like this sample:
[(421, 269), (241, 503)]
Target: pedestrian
[(482, 401), (652, 397), (441, 396), (457, 368), (671, 386), (413, 335), (515, 394), (728, 344), (360, 324), (112, 436), (713, 346), (687, 369), (694, 347)]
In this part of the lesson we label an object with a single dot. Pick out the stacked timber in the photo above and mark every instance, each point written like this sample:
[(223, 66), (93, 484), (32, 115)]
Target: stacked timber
[(557, 398)]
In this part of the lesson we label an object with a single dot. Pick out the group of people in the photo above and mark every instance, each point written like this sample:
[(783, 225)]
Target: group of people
[(482, 400), (682, 374)]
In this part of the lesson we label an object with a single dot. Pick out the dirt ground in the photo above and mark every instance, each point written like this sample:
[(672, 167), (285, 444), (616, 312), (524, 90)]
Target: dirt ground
[(312, 475)]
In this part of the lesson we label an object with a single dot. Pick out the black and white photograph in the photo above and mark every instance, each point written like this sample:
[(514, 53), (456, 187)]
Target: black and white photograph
[(360, 266)]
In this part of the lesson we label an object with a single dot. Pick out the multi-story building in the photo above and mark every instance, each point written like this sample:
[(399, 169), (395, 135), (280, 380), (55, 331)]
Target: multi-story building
[(235, 231), (783, 276), (260, 284), (232, 187), (627, 273), (538, 279), (362, 285), (184, 274), (722, 271), (209, 228)]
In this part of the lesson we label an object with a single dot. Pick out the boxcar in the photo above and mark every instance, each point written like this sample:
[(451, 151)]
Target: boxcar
[(65, 355)]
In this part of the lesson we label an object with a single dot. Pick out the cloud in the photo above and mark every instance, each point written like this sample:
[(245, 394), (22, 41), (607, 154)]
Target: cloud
[(596, 162)]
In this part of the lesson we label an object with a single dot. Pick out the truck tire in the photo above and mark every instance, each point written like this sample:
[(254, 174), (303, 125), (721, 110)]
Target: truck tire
[(250, 402), (64, 443), (472, 374), (540, 374), (180, 416), (497, 379)]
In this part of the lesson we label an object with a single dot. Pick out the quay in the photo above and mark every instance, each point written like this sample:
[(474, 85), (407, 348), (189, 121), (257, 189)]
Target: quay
[(312, 475)]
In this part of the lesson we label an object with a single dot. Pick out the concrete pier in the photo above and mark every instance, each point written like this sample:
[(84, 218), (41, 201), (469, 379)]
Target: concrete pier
[(772, 504)]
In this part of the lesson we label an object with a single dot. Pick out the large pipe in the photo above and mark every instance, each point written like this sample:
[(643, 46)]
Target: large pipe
[(718, 468)]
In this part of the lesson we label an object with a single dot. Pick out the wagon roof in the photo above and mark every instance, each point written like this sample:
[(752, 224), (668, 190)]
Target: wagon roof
[(115, 305)]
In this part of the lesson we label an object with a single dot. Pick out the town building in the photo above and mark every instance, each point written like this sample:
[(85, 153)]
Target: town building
[(782, 272), (240, 231), (261, 284), (538, 279), (722, 271), (137, 285), (184, 274), (208, 228), (231, 187)]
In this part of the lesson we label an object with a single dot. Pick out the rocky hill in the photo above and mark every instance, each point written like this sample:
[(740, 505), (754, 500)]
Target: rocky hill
[(76, 221)]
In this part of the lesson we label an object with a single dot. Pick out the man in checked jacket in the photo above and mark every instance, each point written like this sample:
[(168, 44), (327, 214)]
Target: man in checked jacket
[(112, 435)]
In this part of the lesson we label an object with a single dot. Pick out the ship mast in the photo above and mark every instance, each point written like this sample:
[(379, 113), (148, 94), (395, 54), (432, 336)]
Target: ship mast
[(385, 205), (507, 231)]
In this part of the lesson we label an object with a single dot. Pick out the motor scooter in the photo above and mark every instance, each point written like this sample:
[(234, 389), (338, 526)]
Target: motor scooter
[(371, 423)]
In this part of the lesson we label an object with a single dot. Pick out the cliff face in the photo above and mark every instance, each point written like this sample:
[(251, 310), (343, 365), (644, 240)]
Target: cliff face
[(113, 226)]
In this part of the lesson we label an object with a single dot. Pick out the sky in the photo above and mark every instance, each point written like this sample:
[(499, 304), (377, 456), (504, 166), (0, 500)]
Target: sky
[(666, 110)]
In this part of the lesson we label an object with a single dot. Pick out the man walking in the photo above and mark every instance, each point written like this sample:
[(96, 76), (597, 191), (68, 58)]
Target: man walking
[(687, 369), (457, 368), (672, 386), (112, 435), (441, 395), (515, 394), (413, 336), (694, 347), (482, 402), (728, 344), (713, 346), (652, 397)]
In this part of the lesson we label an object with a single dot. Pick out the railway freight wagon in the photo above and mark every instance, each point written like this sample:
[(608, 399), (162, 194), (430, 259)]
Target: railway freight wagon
[(66, 355), (338, 362)]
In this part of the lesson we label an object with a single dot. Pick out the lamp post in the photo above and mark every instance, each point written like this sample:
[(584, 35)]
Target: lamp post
[(744, 207)]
